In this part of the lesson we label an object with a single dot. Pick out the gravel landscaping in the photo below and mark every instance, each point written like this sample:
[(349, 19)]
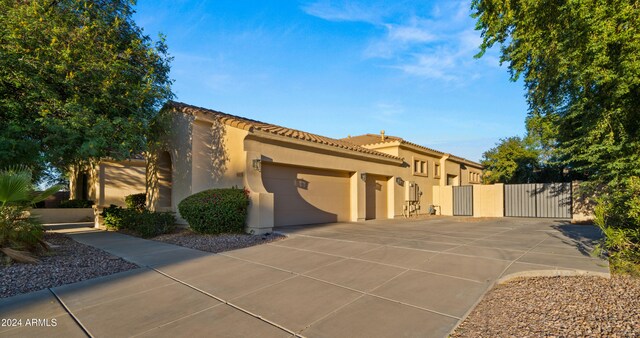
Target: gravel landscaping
[(582, 306), (67, 262), (216, 243)]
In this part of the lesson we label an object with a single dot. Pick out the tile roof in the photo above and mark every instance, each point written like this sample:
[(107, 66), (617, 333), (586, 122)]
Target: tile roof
[(251, 125), (376, 139)]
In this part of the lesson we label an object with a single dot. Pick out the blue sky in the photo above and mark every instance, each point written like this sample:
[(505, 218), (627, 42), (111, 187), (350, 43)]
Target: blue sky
[(339, 68)]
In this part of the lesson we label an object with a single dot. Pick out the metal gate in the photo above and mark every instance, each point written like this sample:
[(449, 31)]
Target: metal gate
[(463, 200), (544, 200)]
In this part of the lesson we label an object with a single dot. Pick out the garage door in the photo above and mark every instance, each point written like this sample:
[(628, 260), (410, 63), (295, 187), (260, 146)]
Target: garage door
[(307, 196)]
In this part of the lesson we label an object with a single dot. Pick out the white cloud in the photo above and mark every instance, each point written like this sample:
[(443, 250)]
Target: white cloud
[(342, 11), (438, 45), (409, 34)]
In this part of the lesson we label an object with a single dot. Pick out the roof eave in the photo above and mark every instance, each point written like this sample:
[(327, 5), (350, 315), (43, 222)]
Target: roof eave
[(259, 134)]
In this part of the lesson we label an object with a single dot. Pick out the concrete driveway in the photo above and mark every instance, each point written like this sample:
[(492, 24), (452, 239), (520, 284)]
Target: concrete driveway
[(410, 278)]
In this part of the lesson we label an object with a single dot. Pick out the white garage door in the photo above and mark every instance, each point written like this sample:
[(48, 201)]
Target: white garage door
[(307, 196)]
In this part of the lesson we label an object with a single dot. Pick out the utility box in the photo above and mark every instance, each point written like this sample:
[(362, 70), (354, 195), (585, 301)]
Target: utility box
[(411, 192)]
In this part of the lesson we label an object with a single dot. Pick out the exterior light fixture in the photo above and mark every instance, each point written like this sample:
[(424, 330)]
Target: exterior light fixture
[(363, 176), (257, 164), (399, 180)]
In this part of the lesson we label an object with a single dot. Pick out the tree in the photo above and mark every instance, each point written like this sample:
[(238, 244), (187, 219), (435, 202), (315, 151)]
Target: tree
[(511, 161), (581, 66), (580, 61), (79, 80)]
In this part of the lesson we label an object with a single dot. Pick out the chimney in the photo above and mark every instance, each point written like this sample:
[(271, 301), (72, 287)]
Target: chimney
[(382, 135)]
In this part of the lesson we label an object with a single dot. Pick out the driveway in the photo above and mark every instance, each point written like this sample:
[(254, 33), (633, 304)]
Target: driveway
[(410, 278)]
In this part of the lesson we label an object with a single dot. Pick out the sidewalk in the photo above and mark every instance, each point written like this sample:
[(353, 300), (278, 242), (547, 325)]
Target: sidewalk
[(132, 302)]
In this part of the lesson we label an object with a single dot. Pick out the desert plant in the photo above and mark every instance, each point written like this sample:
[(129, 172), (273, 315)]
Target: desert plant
[(76, 204), (20, 235), (136, 201), (216, 211)]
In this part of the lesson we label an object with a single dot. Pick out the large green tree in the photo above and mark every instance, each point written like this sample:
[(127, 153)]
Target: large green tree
[(580, 62), (79, 80), (512, 160)]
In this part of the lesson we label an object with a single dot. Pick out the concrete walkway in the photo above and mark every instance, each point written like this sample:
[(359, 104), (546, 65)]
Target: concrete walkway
[(374, 279)]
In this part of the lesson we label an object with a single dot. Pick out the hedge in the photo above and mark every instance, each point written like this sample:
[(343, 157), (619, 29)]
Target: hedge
[(136, 201), (144, 223), (216, 211), (76, 204)]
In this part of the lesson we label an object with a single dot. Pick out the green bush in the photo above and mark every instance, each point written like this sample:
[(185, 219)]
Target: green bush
[(150, 224), (136, 201), (20, 235), (216, 211), (144, 223), (116, 218), (76, 204), (618, 215)]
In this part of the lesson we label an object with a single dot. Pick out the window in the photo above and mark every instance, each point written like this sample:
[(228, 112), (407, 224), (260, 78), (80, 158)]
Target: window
[(420, 167), (436, 170)]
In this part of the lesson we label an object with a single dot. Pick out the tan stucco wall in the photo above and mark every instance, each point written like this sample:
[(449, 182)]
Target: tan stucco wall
[(488, 200), (200, 161), (116, 180), (443, 198), (63, 215)]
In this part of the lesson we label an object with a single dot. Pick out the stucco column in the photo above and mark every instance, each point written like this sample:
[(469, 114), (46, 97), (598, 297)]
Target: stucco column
[(358, 197), (443, 169), (391, 197), (260, 218)]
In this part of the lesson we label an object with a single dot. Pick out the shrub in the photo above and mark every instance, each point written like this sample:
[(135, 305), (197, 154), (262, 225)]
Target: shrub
[(216, 211), (76, 204), (618, 215), (20, 235), (150, 224), (136, 201), (116, 218), (144, 223)]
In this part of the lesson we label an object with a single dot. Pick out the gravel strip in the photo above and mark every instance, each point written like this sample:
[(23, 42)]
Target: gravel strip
[(582, 306), (67, 262), (217, 243)]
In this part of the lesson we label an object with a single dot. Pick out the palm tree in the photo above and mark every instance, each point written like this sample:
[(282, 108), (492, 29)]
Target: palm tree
[(20, 235)]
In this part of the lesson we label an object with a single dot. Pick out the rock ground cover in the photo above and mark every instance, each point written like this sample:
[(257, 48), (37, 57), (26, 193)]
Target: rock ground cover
[(581, 306), (67, 262), (216, 243)]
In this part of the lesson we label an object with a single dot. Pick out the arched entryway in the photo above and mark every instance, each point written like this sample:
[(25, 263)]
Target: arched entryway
[(164, 180)]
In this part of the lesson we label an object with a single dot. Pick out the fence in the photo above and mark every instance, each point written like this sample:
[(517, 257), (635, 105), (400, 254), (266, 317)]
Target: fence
[(544, 200), (463, 200), (548, 200)]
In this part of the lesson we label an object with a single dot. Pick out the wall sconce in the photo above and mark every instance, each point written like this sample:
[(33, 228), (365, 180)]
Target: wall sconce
[(399, 180), (257, 164), (363, 176)]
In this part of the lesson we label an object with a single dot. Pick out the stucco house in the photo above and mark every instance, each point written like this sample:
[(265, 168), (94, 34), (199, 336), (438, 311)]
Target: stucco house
[(294, 177)]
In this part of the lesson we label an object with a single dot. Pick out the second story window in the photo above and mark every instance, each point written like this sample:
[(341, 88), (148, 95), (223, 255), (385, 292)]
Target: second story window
[(420, 167)]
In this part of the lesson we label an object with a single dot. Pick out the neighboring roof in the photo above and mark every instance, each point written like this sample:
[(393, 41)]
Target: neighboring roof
[(370, 139), (376, 140), (251, 125)]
